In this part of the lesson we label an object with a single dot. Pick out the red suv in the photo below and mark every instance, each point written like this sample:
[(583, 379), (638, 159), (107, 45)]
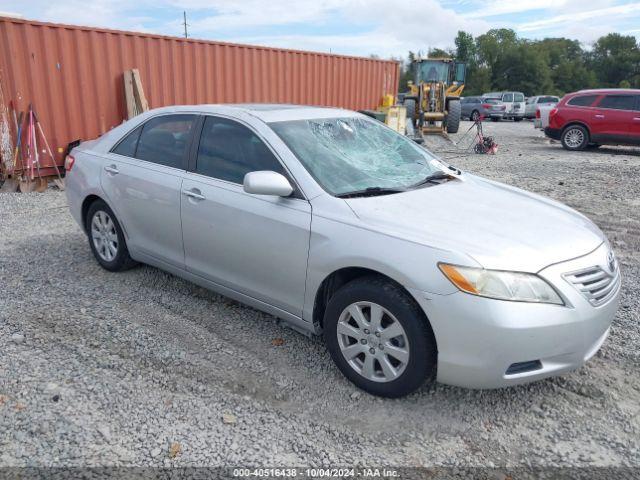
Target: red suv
[(590, 118)]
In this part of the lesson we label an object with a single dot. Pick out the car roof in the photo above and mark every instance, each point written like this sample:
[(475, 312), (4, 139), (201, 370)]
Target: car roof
[(609, 90), (267, 112)]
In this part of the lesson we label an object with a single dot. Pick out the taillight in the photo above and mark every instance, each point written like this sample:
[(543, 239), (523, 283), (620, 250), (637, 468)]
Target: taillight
[(68, 163), (537, 112), (553, 112), (486, 105)]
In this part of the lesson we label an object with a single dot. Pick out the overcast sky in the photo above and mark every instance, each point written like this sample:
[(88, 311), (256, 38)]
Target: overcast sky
[(357, 27)]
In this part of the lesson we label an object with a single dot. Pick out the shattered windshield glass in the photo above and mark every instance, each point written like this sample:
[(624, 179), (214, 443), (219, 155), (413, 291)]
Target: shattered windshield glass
[(353, 153)]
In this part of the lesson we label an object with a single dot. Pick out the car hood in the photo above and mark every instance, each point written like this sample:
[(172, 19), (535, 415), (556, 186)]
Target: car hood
[(499, 226)]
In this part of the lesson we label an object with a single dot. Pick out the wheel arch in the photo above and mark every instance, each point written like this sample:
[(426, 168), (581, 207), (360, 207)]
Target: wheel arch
[(340, 277), (574, 123), (86, 203)]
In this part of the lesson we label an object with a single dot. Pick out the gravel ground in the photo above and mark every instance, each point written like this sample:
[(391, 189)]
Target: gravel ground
[(142, 368)]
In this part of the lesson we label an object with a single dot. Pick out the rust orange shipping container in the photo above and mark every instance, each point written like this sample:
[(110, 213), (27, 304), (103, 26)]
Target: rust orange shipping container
[(73, 76)]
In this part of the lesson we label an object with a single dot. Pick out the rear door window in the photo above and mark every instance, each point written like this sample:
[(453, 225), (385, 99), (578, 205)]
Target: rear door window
[(582, 101), (618, 102), (165, 140), (518, 97), (507, 97), (228, 151)]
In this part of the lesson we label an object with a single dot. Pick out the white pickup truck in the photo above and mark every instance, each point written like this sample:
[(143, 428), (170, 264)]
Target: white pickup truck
[(542, 115)]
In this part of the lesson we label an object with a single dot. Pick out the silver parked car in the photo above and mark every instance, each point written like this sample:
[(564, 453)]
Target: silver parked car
[(513, 101), (532, 104), (475, 108), (331, 221)]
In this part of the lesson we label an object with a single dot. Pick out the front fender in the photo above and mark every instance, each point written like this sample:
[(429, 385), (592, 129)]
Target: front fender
[(335, 245)]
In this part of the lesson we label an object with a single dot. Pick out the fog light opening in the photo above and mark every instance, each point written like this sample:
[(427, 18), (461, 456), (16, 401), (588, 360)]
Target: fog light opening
[(524, 367)]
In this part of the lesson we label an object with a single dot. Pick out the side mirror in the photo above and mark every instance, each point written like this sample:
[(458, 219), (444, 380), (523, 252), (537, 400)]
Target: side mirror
[(266, 182)]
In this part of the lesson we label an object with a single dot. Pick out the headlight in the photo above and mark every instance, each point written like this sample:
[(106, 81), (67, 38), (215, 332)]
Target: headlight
[(516, 286)]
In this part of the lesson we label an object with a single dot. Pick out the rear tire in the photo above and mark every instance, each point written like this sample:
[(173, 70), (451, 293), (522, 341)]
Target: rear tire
[(388, 365), (106, 238), (517, 119), (453, 117), (495, 119), (475, 116), (575, 137)]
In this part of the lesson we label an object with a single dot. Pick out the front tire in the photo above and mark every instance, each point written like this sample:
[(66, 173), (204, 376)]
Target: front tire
[(575, 137), (475, 116), (106, 238), (453, 116), (379, 337)]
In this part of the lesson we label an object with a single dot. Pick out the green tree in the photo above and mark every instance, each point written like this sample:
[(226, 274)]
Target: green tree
[(567, 63), (439, 53), (521, 67), (465, 48), (616, 58), (406, 72)]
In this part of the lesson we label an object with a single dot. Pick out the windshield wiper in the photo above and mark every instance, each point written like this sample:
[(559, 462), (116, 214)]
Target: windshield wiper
[(433, 178), (370, 192)]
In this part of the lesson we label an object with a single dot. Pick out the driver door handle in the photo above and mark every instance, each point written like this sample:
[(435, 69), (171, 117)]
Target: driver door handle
[(194, 193), (599, 116), (112, 169)]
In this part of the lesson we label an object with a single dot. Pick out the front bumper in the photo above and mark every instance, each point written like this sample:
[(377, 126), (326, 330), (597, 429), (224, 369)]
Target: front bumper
[(553, 133), (479, 339)]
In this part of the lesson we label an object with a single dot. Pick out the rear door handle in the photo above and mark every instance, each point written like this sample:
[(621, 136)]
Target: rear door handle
[(194, 193), (637, 119), (112, 169)]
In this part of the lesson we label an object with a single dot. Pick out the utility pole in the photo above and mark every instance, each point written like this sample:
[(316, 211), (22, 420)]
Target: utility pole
[(186, 34)]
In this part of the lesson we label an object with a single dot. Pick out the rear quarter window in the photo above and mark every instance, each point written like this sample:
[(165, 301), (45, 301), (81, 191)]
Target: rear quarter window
[(582, 100), (518, 97), (618, 102), (127, 146)]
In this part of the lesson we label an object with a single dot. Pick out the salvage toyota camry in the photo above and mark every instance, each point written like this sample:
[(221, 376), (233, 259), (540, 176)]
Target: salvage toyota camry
[(411, 270)]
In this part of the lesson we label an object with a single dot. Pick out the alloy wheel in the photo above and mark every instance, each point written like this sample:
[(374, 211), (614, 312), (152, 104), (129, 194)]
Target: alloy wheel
[(574, 137), (104, 235), (373, 342)]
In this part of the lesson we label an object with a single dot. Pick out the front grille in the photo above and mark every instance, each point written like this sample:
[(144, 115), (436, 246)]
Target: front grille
[(596, 283)]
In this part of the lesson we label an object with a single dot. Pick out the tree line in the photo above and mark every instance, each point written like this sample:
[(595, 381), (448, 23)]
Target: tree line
[(500, 60)]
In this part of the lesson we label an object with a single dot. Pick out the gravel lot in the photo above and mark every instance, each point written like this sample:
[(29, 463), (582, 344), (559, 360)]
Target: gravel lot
[(143, 368)]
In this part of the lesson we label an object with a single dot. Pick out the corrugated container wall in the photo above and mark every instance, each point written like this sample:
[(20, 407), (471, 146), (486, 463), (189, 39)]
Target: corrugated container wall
[(73, 75)]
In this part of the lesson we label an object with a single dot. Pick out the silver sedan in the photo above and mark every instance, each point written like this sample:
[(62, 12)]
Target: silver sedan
[(411, 270)]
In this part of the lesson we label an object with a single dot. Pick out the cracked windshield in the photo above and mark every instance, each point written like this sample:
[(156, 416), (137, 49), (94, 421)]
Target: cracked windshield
[(354, 154)]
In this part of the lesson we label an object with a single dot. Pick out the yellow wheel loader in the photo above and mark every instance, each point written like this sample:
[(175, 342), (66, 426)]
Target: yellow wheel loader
[(433, 99)]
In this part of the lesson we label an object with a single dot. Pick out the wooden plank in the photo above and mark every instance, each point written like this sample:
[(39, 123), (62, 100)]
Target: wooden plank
[(141, 99), (129, 96)]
